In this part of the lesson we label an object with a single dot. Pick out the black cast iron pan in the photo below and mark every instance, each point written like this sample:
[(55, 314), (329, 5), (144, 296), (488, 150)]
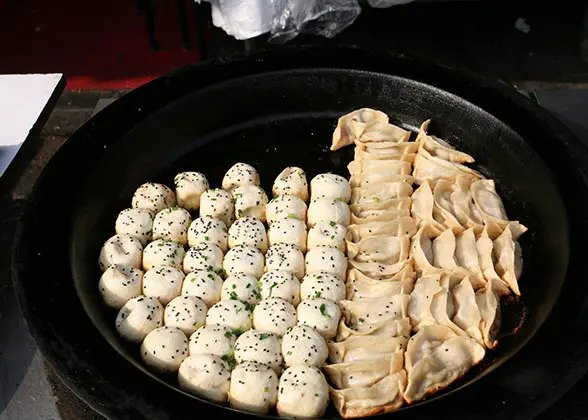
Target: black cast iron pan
[(273, 110)]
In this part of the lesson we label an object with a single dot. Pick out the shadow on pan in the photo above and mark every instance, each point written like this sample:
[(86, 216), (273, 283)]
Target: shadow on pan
[(286, 119), (271, 110)]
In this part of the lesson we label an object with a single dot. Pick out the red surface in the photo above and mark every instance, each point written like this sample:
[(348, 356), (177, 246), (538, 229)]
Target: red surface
[(100, 44)]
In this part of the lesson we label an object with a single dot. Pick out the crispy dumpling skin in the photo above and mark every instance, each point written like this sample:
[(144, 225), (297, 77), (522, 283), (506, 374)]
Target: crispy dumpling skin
[(357, 348), (435, 358), (346, 131)]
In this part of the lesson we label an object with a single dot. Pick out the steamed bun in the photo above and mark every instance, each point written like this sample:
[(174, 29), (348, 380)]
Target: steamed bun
[(206, 376), (204, 256), (254, 388), (321, 314), (241, 286), (137, 223), (274, 315), (330, 186), (280, 284), (187, 313), (163, 283), (259, 346), (327, 234), (244, 259), (232, 313), (291, 181), (304, 345), (303, 393), (172, 224), (205, 285), (328, 210), (163, 252), (285, 207), (212, 339), (288, 231), (238, 175), (248, 231), (250, 201), (153, 197), (138, 317), (285, 257), (119, 283), (121, 249), (207, 229), (218, 203), (189, 188), (326, 259), (164, 349)]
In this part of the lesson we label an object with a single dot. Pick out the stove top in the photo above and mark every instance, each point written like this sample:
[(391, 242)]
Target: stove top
[(28, 387)]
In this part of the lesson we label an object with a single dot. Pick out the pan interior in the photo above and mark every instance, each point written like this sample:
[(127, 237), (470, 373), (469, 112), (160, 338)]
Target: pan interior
[(286, 118)]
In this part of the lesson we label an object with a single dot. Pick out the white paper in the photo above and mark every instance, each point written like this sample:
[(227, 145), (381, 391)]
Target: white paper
[(22, 99)]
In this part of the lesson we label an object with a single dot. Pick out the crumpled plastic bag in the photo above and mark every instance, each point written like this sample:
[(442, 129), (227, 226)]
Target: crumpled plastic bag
[(319, 17), (285, 19)]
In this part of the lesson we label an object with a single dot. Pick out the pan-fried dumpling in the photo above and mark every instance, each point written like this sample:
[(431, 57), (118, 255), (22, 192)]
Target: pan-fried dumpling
[(443, 309), (219, 204), (326, 259), (488, 301), (393, 328), (328, 210), (379, 133), (421, 300), (206, 376), (378, 269), (378, 216), (464, 208), (238, 175), (250, 201), (405, 152), (370, 311), (360, 286), (327, 234), (402, 203), (357, 348), (288, 231), (291, 181), (435, 358), (398, 227), (121, 282), (365, 179), (466, 251), (345, 132), (330, 186), (383, 167), (423, 204), (285, 207), (248, 231), (509, 259), (382, 397), (467, 315), (189, 187), (388, 249), (443, 210), (491, 209), (421, 249), (214, 339), (364, 373), (437, 147), (433, 168), (485, 247), (444, 251), (376, 193), (285, 257)]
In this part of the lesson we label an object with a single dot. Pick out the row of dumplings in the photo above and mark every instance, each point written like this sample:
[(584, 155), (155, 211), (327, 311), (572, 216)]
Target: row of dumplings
[(179, 307), (431, 263)]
